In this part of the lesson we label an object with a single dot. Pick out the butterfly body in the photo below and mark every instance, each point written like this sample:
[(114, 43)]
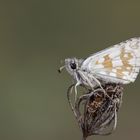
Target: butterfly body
[(118, 64)]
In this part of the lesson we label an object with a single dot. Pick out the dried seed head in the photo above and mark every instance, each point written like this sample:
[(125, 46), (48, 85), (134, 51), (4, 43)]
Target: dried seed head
[(99, 113)]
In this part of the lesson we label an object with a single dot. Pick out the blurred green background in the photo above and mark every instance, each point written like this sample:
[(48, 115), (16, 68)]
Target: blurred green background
[(34, 37)]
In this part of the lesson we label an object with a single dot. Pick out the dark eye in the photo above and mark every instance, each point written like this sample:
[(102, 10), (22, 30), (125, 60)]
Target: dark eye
[(73, 65)]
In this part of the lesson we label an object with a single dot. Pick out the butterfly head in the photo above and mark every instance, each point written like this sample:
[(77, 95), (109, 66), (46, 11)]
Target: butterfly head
[(71, 65)]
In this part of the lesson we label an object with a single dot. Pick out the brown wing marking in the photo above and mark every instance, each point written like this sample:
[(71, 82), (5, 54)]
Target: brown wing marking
[(107, 62)]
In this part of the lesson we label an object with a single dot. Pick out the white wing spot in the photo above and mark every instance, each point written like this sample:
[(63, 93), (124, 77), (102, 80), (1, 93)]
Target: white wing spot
[(114, 70), (101, 60), (112, 74), (117, 63), (126, 55)]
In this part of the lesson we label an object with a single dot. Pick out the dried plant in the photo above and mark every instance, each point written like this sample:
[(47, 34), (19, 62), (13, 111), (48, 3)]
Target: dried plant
[(95, 112)]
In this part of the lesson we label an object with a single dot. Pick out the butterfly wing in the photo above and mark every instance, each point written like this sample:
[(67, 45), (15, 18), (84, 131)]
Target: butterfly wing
[(119, 63)]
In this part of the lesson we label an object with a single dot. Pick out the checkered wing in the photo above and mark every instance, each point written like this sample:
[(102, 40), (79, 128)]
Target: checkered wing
[(119, 63)]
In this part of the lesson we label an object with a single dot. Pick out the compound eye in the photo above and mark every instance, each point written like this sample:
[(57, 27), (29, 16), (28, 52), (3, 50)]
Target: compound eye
[(73, 65)]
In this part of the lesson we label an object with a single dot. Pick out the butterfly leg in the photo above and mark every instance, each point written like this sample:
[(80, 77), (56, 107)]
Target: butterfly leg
[(99, 83), (75, 89), (88, 78)]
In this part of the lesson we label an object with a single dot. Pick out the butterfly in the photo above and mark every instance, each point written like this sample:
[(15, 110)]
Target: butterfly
[(119, 63)]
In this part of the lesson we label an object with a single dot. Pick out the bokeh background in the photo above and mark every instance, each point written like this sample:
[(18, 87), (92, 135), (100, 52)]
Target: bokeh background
[(35, 35)]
